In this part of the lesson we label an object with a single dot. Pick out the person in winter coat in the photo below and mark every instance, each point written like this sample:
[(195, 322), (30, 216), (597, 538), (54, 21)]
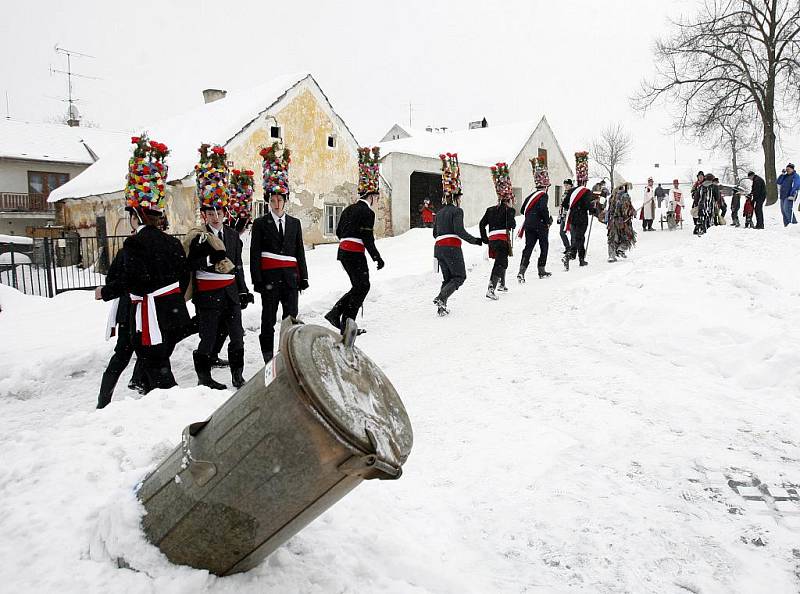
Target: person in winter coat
[(701, 177), (500, 221), (562, 214), (759, 194), (427, 214), (788, 187), (582, 203), (708, 201), (448, 230), (660, 195), (115, 289), (648, 213), (536, 229)]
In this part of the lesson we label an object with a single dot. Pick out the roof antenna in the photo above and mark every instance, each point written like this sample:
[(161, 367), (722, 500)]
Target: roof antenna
[(8, 111), (73, 118)]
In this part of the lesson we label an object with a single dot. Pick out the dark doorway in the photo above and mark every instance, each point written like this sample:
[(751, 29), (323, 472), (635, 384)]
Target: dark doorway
[(423, 186)]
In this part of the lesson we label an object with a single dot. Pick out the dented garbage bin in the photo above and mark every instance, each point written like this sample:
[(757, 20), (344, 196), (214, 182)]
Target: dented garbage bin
[(302, 433)]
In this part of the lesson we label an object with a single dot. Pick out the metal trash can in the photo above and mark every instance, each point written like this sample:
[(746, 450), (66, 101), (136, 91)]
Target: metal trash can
[(316, 421)]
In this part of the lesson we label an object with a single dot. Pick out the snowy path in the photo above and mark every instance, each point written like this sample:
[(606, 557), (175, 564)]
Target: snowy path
[(587, 433)]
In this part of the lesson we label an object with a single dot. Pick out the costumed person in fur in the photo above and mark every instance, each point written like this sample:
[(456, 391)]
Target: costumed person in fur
[(619, 216), (119, 325), (356, 236), (648, 210), (581, 202), (155, 271), (707, 204), (501, 223), (448, 230), (239, 219), (219, 290), (277, 253), (536, 226)]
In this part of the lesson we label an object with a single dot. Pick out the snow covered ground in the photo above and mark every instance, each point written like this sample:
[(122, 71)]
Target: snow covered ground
[(628, 427)]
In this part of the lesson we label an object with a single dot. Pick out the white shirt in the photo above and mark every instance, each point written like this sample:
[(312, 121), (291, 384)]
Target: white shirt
[(217, 232), (277, 219)]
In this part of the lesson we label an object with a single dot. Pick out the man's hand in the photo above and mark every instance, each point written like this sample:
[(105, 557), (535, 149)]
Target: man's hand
[(245, 299), (98, 294), (380, 263), (302, 284)]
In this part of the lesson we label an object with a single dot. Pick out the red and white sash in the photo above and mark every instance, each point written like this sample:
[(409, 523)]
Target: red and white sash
[(527, 206), (147, 316), (579, 193), (211, 281), (270, 261), (352, 244), (498, 235), (111, 322), (448, 240)]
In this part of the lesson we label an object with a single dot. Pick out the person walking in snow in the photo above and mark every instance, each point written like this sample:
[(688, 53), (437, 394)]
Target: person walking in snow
[(562, 214), (707, 202), (581, 203), (500, 221), (619, 220), (788, 188), (758, 191), (214, 254), (156, 272), (648, 211), (356, 235), (660, 194), (448, 230), (119, 323), (536, 226)]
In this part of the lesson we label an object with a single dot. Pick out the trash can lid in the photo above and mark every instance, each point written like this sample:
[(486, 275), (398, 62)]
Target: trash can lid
[(350, 392)]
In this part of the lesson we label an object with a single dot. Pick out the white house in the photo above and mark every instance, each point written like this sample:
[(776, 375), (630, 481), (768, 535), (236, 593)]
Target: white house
[(412, 167)]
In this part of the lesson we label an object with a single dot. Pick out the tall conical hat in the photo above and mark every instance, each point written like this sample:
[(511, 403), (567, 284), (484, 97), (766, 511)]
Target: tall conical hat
[(275, 170), (451, 174), (241, 197), (541, 177), (211, 177), (145, 188), (582, 167), (502, 182), (368, 171)]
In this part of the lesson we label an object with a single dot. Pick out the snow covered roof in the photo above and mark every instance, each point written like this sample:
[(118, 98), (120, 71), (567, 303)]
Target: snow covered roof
[(480, 146), (216, 123), (55, 142)]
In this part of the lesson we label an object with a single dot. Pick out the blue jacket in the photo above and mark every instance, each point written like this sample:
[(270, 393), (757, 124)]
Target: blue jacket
[(789, 185)]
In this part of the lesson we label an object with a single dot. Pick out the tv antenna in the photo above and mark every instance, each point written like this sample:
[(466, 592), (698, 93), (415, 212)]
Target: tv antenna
[(72, 110)]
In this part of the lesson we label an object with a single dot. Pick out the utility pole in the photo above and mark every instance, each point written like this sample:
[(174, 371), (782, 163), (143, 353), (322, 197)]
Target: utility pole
[(72, 112), (8, 111)]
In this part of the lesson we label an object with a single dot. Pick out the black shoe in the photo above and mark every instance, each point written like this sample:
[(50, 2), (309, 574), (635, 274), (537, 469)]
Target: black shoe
[(543, 273), (584, 263), (137, 387), (565, 261), (521, 278), (268, 356), (236, 378), (202, 365), (217, 362), (334, 319), (502, 288)]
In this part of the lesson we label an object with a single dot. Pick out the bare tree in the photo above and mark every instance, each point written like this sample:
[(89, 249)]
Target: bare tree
[(732, 55), (735, 137), (611, 149)]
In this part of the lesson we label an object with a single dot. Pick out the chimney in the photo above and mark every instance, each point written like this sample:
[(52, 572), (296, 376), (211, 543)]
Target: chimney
[(211, 95), (484, 123)]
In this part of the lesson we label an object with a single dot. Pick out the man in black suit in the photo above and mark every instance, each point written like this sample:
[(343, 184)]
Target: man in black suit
[(219, 297), (355, 233), (759, 192), (156, 275), (277, 266)]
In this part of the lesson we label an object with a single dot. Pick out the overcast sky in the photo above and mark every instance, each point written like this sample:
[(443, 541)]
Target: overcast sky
[(576, 62)]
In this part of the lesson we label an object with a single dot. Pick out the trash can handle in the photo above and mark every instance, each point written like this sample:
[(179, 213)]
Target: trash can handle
[(202, 471)]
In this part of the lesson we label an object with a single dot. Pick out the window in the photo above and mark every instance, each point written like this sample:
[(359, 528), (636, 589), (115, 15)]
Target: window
[(558, 196), (275, 132), (542, 156), (331, 140), (41, 182), (332, 214)]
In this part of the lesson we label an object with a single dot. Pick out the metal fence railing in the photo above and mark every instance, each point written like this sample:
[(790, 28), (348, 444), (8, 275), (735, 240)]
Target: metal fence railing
[(51, 265)]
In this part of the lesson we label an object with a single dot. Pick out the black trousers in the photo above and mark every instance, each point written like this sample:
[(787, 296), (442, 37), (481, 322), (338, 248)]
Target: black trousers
[(500, 249), (454, 272), (577, 246), (123, 351), (759, 208), (288, 298), (155, 363), (532, 235), (355, 265), (210, 322), (563, 234)]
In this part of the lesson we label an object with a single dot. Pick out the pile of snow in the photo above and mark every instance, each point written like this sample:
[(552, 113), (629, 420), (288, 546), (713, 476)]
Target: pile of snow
[(16, 239), (626, 427)]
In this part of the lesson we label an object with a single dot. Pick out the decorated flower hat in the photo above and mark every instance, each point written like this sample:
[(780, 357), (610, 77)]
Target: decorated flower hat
[(368, 171), (211, 176), (241, 197), (502, 182), (145, 190), (541, 177), (582, 167), (451, 174), (275, 169)]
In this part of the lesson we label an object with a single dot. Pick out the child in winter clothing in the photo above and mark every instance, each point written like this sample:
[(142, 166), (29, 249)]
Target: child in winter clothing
[(749, 208)]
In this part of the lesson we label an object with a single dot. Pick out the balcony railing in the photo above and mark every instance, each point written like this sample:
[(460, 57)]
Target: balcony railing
[(17, 202)]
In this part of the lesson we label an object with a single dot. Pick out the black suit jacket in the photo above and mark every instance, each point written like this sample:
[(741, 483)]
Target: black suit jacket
[(265, 238), (759, 189), (358, 220), (152, 260), (199, 254), (115, 288)]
